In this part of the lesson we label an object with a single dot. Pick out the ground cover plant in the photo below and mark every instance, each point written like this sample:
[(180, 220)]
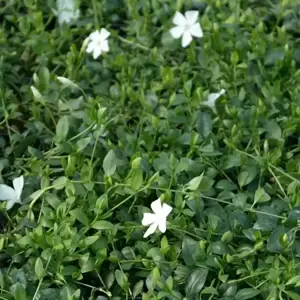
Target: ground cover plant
[(149, 149)]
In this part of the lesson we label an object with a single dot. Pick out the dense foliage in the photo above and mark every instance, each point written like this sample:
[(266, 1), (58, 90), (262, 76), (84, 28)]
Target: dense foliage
[(97, 147)]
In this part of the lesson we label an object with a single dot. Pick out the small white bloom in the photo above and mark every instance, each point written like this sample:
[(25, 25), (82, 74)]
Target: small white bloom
[(98, 43), (187, 27), (66, 11), (158, 219), (12, 195), (213, 97)]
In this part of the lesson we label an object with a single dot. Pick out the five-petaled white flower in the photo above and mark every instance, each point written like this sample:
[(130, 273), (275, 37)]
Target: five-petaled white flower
[(98, 43), (213, 97), (187, 27), (158, 219), (12, 195), (66, 11)]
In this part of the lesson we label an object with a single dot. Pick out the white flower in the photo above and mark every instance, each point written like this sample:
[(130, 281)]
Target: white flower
[(66, 11), (12, 195), (213, 97), (187, 27), (158, 219), (98, 43)]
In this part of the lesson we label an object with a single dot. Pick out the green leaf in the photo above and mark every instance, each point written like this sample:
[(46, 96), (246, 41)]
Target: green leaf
[(191, 251), (210, 291), (247, 175), (274, 244), (121, 279), (102, 225), (110, 163), (87, 265), (136, 179), (82, 144), (39, 268), (196, 281), (128, 253), (293, 217), (60, 183), (273, 55), (91, 240), (169, 283), (37, 95), (67, 82), (79, 214), (273, 129), (204, 124), (155, 276), (219, 247), (138, 287), (194, 183), (294, 280), (226, 185), (267, 221), (292, 295), (19, 292), (44, 78), (62, 129), (261, 196), (246, 294)]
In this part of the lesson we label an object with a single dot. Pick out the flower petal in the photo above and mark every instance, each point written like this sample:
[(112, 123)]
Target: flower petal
[(186, 39), (148, 219), (191, 16), (97, 52), (90, 47), (196, 30), (104, 46), (7, 193), (10, 203), (162, 225), (104, 34), (211, 99), (179, 19), (177, 32), (166, 209), (222, 92), (18, 184), (150, 230), (95, 35), (156, 206)]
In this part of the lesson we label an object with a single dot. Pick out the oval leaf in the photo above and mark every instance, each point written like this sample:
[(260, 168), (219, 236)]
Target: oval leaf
[(103, 225), (246, 294), (110, 163), (62, 129), (39, 268), (196, 281)]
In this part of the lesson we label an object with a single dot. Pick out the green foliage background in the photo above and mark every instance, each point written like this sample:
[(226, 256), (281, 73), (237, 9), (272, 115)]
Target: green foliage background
[(131, 128)]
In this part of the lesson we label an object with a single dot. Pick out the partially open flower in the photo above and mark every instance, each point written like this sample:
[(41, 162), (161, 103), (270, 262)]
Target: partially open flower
[(158, 219), (213, 97), (12, 195)]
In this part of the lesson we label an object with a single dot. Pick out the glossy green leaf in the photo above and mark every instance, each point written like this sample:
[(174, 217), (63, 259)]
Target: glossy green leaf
[(246, 294), (62, 129), (196, 281), (102, 225), (19, 292), (247, 175), (79, 214), (39, 268), (110, 163)]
